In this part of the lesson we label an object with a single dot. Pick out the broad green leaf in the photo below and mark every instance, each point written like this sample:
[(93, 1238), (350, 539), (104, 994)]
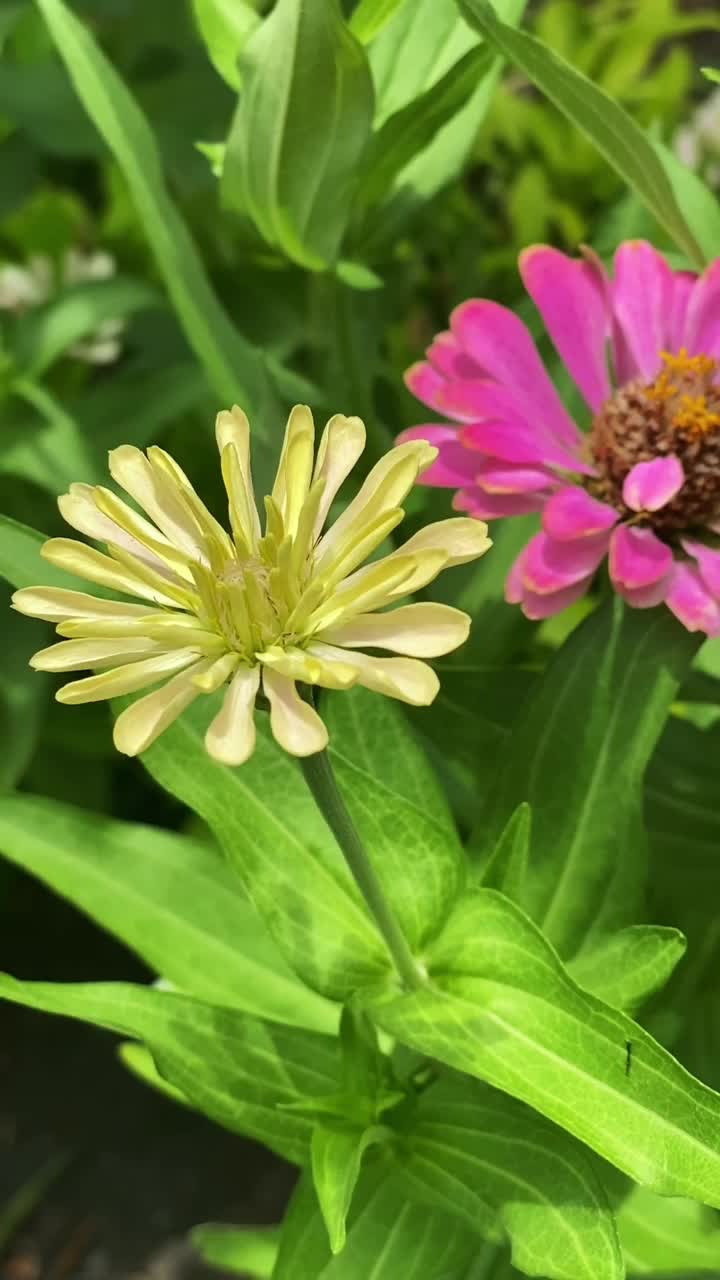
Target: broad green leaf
[(278, 842), (500, 1006), (699, 204), (369, 17), (251, 1251), (49, 331), (140, 1061), (413, 127), (21, 564), (301, 126), (236, 1069), (388, 1236), (337, 1153), (235, 369), (615, 134), (398, 808), (582, 774), (501, 1168), (627, 967), (225, 26), (664, 1237), (507, 867), (712, 73), (175, 901)]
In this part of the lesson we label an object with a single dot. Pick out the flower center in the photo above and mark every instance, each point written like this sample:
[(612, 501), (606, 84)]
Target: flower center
[(678, 413)]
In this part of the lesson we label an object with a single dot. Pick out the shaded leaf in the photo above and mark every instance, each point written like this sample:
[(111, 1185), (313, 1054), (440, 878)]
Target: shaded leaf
[(251, 1251), (225, 26), (625, 968), (49, 331), (337, 1154), (662, 1237)]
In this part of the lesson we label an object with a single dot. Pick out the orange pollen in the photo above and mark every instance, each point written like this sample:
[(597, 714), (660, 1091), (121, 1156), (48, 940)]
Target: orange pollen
[(694, 417), (684, 366)]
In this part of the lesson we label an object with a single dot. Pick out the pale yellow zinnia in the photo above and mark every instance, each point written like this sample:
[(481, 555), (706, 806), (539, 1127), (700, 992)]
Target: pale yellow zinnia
[(287, 605)]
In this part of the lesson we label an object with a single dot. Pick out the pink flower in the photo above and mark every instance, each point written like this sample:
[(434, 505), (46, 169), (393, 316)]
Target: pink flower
[(642, 484)]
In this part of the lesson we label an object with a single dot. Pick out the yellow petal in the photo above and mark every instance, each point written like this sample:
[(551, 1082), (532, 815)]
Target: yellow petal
[(164, 465), (232, 431), (231, 735), (354, 552), (80, 655), (88, 563), (137, 727), (292, 482), (367, 589), (341, 445), (216, 675), (297, 664), (127, 679), (461, 539), (296, 725), (55, 604), (141, 533), (403, 678), (160, 497), (422, 630)]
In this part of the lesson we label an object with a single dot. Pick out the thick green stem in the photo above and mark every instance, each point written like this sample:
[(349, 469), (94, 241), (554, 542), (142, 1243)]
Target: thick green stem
[(319, 775)]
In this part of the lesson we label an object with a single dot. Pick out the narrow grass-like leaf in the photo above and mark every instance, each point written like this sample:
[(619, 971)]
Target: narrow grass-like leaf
[(234, 368), (236, 1069), (175, 901), (615, 134), (500, 1006), (369, 17)]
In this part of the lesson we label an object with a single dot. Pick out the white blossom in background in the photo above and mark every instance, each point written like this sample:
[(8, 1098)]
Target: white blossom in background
[(697, 143), (25, 287)]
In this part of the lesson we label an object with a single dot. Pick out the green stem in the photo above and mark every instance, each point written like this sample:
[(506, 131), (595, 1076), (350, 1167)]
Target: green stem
[(320, 777)]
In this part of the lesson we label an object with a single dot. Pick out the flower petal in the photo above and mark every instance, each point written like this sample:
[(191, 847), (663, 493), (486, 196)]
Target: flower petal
[(515, 441), (56, 604), (304, 665), (86, 562), (642, 298), (137, 727), (232, 432), (83, 655), (536, 607), (649, 486), (552, 566), (500, 343), (157, 495), (129, 678), (702, 324), (637, 557), (708, 562), (507, 477), (572, 513), (447, 356), (684, 282), (574, 308), (341, 444), (691, 602), (403, 678), (231, 735), (295, 468), (426, 384), (514, 583), (495, 506), (646, 597), (421, 630), (296, 725)]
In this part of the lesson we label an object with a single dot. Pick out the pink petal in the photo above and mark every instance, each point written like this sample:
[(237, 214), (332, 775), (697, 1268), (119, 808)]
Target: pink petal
[(649, 486), (637, 557), (537, 607), (454, 466), (500, 343), (646, 597), (691, 602), (427, 384), (677, 320), (514, 588), (447, 356), (573, 305), (551, 566), (572, 513), (478, 400), (437, 433), (708, 562), (702, 328), (643, 293), (505, 477), (487, 506), (515, 441)]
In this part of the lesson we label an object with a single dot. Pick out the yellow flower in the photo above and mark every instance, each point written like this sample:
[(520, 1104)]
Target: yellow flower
[(288, 605)]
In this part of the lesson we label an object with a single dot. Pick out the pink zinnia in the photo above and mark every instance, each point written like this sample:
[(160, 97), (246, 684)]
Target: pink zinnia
[(642, 484)]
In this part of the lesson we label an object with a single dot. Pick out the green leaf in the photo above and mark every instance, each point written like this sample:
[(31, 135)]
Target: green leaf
[(398, 807), (234, 368), (500, 1006), (251, 1251), (175, 901), (699, 204), (23, 696), (388, 1236), (337, 1153), (370, 16), (625, 968), (225, 26), (587, 858), (278, 842), (405, 133), (49, 331), (506, 869), (615, 134), (141, 1063), (663, 1237), (301, 126), (499, 1166), (236, 1069), (712, 73), (21, 564)]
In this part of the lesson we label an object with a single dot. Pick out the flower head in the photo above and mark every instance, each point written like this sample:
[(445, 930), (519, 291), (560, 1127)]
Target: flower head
[(642, 484), (290, 603)]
